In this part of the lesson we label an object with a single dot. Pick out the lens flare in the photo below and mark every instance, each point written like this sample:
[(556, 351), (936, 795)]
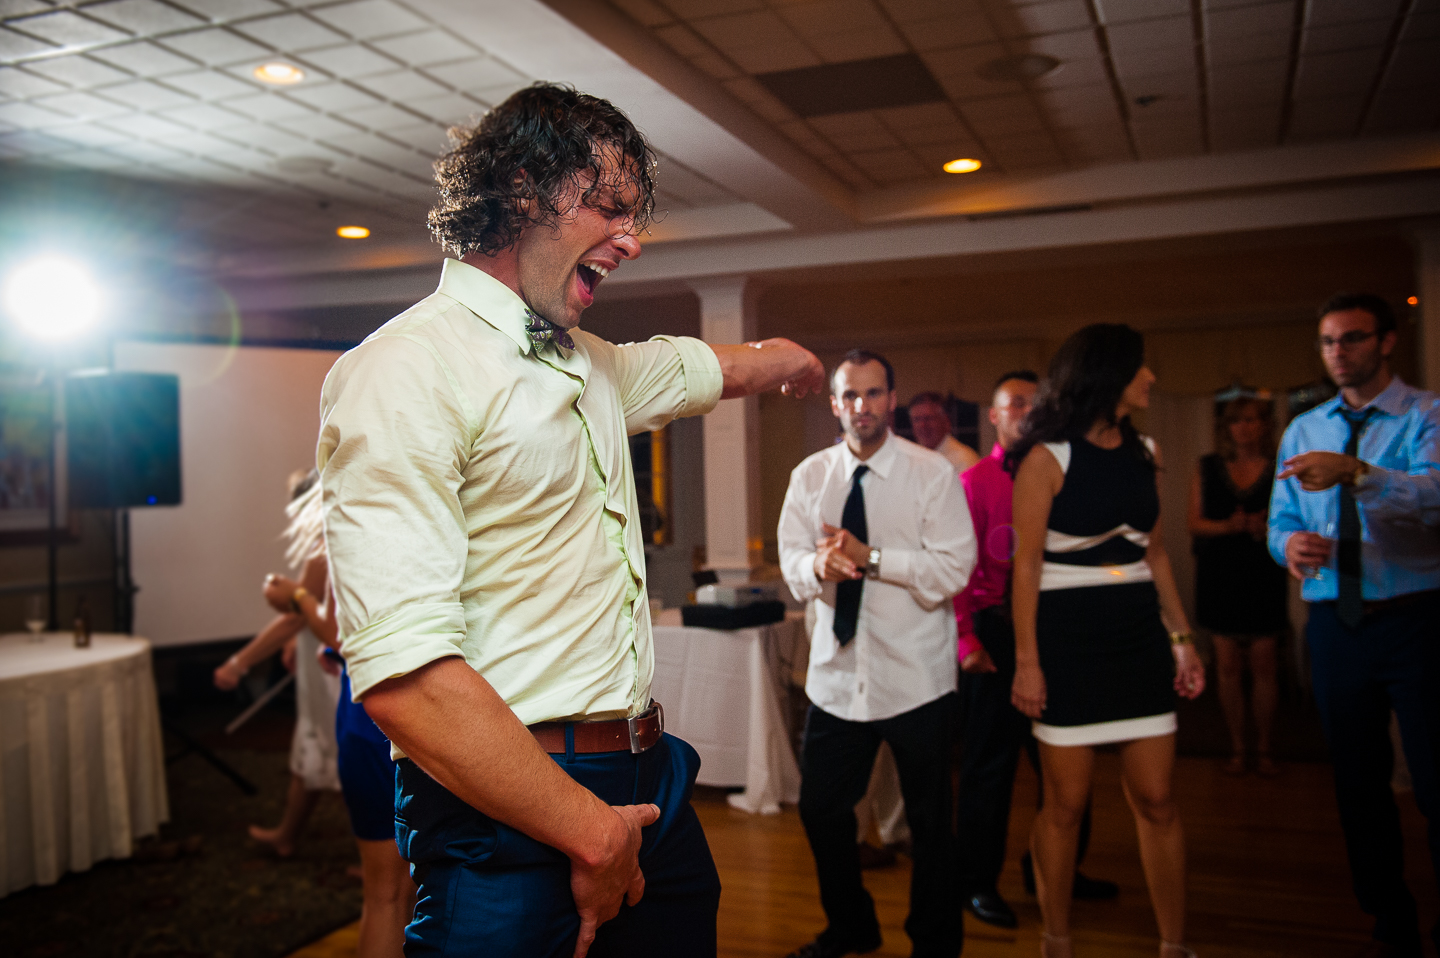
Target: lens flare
[(1001, 543), (52, 298)]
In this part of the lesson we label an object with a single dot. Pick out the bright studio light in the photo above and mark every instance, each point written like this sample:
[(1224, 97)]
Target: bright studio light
[(962, 166), (279, 73), (352, 232), (52, 298)]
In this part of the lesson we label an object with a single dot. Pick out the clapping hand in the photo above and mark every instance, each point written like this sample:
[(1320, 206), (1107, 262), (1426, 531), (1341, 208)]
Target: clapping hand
[(839, 556)]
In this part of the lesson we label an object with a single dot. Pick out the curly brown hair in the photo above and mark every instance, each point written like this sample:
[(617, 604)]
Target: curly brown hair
[(516, 168)]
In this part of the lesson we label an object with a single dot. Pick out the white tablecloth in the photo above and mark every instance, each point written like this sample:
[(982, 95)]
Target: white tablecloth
[(725, 692), (82, 765)]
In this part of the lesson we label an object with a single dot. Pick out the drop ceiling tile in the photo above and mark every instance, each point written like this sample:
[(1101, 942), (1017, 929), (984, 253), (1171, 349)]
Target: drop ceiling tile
[(382, 117), (818, 17), (1346, 36), (1123, 11), (646, 12), (143, 151), (68, 29), (666, 203), (427, 47), (1076, 45), (1329, 76), (1321, 12), (30, 116), (88, 134), (96, 160), (1232, 24), (1072, 74), (683, 40), (1002, 114), (19, 8), (32, 143), (141, 126), (215, 47), (934, 156), (1139, 65), (13, 46), (1248, 48), (144, 95), (262, 136), (214, 85), (371, 18), (1169, 32), (268, 107), (379, 150), (351, 61), (746, 30), (1162, 146), (802, 136), (889, 166), (691, 9), (749, 91), (77, 71), (1402, 111), (292, 32), (1421, 26), (1079, 106), (1235, 86), (18, 84), (860, 123), (427, 137), (334, 97), (1038, 19), (1242, 138), (205, 116), (910, 11), (1415, 67), (848, 172), (479, 73), (1172, 91), (142, 17), (1101, 136), (717, 66), (951, 31), (227, 10), (790, 54), (450, 108), (144, 59), (917, 116), (947, 132), (1325, 119), (858, 142), (318, 127), (857, 45)]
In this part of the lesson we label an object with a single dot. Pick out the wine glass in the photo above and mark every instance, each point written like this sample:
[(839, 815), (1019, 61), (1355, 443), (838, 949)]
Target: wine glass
[(1329, 531), (35, 616)]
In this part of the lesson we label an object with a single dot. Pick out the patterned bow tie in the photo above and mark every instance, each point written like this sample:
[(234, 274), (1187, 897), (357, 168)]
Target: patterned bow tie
[(543, 331)]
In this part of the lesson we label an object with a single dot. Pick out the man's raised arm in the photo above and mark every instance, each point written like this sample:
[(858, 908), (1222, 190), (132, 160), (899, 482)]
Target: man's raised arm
[(752, 368)]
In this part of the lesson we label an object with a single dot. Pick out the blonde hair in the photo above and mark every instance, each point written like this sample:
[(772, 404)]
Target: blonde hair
[(305, 534), (1233, 411)]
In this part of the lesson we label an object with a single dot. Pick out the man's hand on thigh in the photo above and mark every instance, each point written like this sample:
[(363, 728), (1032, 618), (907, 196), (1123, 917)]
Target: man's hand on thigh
[(600, 883)]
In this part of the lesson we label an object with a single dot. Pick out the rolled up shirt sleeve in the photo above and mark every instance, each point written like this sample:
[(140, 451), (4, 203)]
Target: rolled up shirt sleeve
[(666, 378), (942, 565), (396, 432), (1410, 495)]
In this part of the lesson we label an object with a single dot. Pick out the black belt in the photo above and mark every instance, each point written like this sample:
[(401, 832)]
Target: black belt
[(1395, 603)]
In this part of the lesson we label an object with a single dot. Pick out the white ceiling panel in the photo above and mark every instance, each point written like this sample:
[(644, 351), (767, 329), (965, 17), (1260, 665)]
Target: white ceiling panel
[(477, 74), (226, 10), (1075, 45), (292, 32), (450, 108), (426, 47), (77, 71), (1150, 34), (144, 95), (1346, 36), (1326, 76), (856, 45), (216, 47), (1416, 67), (142, 16), (14, 45), (404, 86), (948, 32), (1234, 86), (382, 117), (83, 106), (204, 116), (268, 107), (334, 97), (67, 29), (89, 134), (1320, 12), (371, 18), (1324, 119), (1230, 24), (1249, 48), (351, 61), (31, 116), (1073, 74), (1124, 11), (213, 85), (18, 84), (144, 59), (318, 127), (1422, 26), (1038, 19)]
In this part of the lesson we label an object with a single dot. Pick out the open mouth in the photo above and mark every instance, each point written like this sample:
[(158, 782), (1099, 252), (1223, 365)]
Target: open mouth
[(590, 276)]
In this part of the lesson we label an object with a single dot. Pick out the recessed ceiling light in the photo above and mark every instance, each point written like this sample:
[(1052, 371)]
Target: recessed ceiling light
[(279, 73), (352, 232), (962, 166), (1413, 300)]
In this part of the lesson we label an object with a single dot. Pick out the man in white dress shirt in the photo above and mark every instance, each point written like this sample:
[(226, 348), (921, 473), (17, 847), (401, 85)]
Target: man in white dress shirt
[(486, 557), (876, 530)]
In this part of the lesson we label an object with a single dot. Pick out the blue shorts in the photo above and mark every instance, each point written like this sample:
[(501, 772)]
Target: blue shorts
[(367, 775)]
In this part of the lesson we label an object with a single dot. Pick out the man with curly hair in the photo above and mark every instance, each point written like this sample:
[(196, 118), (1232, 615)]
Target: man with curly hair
[(488, 568)]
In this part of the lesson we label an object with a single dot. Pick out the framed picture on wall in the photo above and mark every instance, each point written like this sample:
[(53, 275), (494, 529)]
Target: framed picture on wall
[(30, 407)]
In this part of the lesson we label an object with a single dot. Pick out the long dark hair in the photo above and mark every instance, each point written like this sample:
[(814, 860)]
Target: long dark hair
[(1087, 378), (549, 136)]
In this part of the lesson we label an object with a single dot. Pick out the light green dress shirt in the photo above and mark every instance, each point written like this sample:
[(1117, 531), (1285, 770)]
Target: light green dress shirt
[(480, 501)]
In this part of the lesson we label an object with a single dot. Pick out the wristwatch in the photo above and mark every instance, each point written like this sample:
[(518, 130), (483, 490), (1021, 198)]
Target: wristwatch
[(1358, 476), (872, 565)]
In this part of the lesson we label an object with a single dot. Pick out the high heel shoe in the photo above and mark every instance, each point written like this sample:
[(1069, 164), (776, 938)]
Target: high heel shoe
[(1054, 946), (1169, 949)]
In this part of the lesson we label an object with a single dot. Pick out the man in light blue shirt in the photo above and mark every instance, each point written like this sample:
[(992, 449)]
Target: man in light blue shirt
[(1355, 516)]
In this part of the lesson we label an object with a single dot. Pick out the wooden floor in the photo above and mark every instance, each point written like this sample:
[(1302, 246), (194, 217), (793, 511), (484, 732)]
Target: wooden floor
[(1267, 875)]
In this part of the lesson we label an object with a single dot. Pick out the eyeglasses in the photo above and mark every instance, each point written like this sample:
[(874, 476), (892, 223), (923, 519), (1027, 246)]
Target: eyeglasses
[(1344, 341)]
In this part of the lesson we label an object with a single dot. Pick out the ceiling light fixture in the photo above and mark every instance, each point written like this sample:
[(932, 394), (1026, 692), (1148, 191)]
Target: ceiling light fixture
[(52, 298), (962, 166), (279, 73), (352, 232), (1413, 300)]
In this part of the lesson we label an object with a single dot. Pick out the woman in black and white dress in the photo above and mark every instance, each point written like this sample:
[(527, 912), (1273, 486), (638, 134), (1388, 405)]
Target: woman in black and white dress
[(1101, 641)]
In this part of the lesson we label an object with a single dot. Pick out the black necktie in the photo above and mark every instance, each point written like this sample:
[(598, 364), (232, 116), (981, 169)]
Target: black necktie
[(847, 593), (1347, 557)]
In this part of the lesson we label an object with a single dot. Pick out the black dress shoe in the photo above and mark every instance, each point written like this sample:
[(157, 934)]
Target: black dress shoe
[(990, 908), (1093, 889), (1085, 888), (827, 945)]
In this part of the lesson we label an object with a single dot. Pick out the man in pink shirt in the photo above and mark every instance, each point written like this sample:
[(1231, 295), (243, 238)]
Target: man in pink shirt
[(992, 730)]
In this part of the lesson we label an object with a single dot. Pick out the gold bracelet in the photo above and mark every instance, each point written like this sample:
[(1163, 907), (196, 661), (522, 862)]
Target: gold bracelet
[(1179, 638), (295, 597)]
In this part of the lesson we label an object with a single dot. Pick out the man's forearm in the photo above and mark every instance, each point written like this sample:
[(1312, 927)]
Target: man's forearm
[(454, 725), (752, 368)]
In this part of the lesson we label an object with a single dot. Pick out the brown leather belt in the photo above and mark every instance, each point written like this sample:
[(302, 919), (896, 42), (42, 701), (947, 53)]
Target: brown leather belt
[(616, 735)]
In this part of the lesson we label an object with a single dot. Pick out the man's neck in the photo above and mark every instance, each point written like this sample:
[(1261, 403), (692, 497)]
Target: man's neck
[(1357, 396), (864, 450), (501, 266)]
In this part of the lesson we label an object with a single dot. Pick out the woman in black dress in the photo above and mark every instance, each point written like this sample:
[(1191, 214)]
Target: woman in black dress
[(1101, 642), (1239, 590)]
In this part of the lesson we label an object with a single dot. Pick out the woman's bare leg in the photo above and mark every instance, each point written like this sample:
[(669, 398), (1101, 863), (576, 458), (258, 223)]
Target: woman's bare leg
[(1262, 699), (389, 899), (299, 803), (1230, 685), (1067, 771), (1147, 766)]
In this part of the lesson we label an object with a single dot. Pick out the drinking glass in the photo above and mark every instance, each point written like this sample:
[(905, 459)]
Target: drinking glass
[(1328, 531), (35, 616)]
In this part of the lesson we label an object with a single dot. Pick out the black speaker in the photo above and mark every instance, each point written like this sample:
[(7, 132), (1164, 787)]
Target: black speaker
[(122, 439)]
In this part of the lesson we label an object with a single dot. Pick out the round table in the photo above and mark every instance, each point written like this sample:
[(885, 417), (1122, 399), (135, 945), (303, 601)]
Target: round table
[(82, 764)]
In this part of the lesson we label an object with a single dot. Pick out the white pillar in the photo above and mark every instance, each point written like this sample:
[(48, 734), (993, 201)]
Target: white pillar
[(734, 543), (1427, 275)]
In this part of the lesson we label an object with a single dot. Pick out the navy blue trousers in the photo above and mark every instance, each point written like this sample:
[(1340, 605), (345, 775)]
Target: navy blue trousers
[(485, 889), (834, 771), (1390, 661)]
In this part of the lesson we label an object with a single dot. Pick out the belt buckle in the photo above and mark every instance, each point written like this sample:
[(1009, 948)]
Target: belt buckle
[(633, 725)]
